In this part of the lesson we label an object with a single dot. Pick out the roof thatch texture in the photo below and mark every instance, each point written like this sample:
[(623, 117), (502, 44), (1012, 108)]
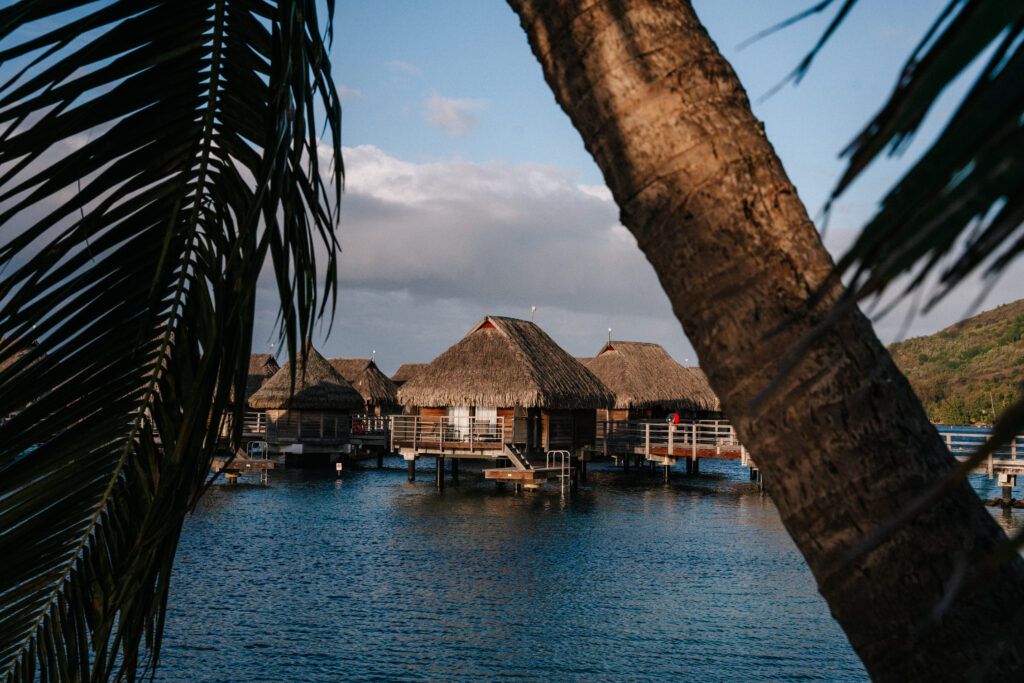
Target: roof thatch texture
[(366, 378), (406, 371), (505, 362), (710, 398), (262, 366), (318, 386), (643, 375)]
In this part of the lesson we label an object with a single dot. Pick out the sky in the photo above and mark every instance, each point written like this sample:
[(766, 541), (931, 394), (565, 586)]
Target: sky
[(469, 193)]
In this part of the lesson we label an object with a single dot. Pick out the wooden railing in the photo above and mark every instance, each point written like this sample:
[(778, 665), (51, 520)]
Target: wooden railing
[(686, 438)]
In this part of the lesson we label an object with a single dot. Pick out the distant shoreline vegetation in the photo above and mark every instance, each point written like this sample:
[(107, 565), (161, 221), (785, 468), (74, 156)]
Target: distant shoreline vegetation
[(971, 371)]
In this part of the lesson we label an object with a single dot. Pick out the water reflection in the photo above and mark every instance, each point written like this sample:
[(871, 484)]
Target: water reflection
[(364, 575)]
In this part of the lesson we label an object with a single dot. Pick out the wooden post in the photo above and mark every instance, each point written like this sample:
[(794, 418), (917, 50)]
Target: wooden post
[(380, 459), (668, 468), (696, 465), (455, 469), (583, 467), (412, 469), (1007, 500), (440, 472), (753, 474), (647, 440), (689, 465)]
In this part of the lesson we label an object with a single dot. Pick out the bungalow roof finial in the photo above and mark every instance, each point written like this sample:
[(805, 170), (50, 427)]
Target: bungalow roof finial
[(533, 309), (609, 335)]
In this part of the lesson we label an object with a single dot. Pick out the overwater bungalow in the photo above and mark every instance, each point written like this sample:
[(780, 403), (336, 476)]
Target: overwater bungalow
[(405, 372), (311, 426), (649, 384), (262, 366), (506, 389), (380, 395)]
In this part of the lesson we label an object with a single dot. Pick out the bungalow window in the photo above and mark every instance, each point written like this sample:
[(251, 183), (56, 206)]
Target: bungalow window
[(458, 422), (486, 422)]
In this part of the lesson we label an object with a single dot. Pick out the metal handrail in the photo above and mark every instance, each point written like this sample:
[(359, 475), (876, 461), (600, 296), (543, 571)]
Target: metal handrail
[(431, 430)]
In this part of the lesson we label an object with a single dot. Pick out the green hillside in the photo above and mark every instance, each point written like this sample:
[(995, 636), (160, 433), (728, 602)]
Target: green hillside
[(965, 370)]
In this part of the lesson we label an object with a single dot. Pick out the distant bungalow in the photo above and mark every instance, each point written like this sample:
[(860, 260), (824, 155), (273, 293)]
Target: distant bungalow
[(405, 372), (649, 384), (262, 366), (380, 395), (313, 424), (505, 384)]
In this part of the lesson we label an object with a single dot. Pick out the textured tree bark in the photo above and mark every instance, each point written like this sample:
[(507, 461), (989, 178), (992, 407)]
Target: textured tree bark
[(843, 440)]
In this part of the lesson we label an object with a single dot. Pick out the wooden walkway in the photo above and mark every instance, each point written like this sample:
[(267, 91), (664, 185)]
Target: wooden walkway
[(666, 443)]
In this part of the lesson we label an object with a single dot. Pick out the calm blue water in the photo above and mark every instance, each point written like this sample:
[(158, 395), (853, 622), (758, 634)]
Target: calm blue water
[(368, 577)]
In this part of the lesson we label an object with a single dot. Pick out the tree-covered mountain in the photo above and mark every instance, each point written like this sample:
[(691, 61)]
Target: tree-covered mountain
[(968, 371)]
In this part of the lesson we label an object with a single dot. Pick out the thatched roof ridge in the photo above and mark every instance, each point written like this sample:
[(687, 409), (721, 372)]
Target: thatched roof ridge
[(366, 378), (506, 362), (318, 386), (644, 375), (262, 366), (406, 371)]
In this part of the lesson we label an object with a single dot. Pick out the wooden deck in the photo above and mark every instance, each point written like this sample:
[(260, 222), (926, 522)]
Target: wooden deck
[(513, 474)]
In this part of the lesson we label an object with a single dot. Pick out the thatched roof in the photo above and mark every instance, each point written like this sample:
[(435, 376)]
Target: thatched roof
[(505, 362), (366, 378), (643, 375), (710, 398), (318, 386), (262, 366), (406, 371)]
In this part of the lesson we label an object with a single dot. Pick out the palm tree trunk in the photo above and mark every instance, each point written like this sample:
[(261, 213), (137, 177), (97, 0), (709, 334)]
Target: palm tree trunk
[(843, 442)]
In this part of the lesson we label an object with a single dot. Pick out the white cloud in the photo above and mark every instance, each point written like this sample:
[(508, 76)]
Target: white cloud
[(428, 249), (399, 66), (346, 94), (453, 116)]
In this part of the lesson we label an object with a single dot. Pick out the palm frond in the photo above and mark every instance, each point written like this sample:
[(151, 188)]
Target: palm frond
[(961, 205), (153, 154)]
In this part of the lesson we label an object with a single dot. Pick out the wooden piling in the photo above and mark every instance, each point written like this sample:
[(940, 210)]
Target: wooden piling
[(412, 469), (380, 459), (455, 469), (439, 460), (668, 469)]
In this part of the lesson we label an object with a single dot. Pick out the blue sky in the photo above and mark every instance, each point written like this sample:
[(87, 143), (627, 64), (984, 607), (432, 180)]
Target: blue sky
[(470, 193)]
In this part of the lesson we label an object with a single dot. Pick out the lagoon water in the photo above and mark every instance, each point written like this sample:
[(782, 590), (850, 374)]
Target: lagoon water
[(368, 577)]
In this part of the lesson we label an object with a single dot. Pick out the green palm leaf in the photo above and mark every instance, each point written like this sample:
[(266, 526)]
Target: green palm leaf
[(152, 155)]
